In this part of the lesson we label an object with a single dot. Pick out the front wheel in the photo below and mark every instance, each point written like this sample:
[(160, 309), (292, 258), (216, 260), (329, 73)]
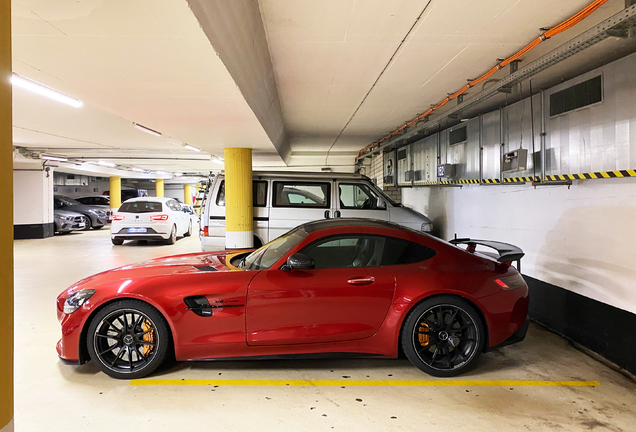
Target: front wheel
[(128, 339), (189, 232), (443, 336)]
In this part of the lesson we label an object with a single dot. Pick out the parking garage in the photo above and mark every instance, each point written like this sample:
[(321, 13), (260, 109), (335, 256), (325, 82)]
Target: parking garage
[(315, 215)]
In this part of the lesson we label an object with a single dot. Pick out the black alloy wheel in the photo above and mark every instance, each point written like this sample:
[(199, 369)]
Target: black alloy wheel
[(128, 339), (173, 236), (443, 336), (189, 232)]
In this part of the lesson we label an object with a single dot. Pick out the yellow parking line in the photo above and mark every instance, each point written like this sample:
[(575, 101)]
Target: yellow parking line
[(347, 382)]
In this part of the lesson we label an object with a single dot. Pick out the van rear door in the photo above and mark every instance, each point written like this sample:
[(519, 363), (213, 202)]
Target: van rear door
[(296, 202)]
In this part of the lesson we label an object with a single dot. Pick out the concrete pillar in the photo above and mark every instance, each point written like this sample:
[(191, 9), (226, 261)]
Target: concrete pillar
[(6, 223), (159, 188), (239, 232), (115, 192), (32, 203), (187, 194)]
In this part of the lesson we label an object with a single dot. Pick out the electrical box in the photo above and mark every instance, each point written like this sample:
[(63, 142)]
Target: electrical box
[(445, 171), (516, 160)]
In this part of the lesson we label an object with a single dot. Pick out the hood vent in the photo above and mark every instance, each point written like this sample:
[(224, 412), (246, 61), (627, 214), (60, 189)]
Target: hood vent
[(205, 268)]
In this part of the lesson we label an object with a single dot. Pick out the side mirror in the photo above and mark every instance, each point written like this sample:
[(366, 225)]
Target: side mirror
[(380, 203), (300, 262)]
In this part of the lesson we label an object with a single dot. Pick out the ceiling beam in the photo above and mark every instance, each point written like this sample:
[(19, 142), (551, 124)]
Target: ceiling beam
[(235, 30)]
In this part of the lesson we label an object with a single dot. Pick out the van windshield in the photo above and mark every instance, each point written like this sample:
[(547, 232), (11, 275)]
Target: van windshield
[(385, 196)]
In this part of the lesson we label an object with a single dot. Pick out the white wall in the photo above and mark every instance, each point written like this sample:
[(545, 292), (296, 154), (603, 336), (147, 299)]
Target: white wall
[(582, 239), (32, 197)]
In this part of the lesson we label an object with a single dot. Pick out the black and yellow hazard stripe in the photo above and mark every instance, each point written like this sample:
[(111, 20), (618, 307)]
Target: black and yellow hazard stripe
[(593, 175), (521, 179), (491, 181)]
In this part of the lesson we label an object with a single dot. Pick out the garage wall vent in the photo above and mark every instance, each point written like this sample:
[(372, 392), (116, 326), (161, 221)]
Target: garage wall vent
[(457, 136), (577, 96)]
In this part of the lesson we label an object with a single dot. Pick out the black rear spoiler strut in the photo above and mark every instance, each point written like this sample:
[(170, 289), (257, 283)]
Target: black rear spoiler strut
[(507, 252)]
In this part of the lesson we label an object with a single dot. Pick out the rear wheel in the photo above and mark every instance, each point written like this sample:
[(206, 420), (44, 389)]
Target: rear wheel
[(189, 232), (128, 339), (443, 336), (173, 236), (117, 241)]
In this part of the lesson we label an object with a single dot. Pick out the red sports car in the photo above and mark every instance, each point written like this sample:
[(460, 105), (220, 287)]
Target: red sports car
[(340, 287)]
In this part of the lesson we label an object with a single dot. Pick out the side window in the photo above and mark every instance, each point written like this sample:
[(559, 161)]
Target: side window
[(259, 194), (357, 196), (398, 251), (302, 194), (346, 251), (176, 206)]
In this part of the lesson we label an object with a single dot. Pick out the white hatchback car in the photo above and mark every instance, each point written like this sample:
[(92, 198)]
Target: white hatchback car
[(150, 219)]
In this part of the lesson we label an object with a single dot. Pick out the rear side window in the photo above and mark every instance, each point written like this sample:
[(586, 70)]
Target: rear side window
[(140, 207), (398, 251), (302, 194), (259, 194)]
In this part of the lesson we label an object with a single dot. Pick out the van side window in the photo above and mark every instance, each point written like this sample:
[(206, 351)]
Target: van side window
[(259, 194), (357, 196), (301, 194)]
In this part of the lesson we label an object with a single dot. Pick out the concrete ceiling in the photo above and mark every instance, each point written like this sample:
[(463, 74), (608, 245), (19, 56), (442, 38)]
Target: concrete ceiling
[(314, 84)]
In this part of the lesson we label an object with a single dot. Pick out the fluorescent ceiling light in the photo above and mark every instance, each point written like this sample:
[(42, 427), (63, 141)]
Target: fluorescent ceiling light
[(147, 130), (137, 170), (178, 174), (54, 158), (106, 164), (43, 90), (88, 163), (161, 173), (191, 147)]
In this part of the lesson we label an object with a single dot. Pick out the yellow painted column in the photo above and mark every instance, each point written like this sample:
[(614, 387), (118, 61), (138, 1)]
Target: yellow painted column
[(239, 231), (198, 202), (159, 187), (115, 193), (6, 223), (187, 194)]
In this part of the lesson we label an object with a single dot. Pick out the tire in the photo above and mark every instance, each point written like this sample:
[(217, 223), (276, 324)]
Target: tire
[(443, 347), (173, 236), (189, 232), (117, 241), (89, 224), (128, 339)]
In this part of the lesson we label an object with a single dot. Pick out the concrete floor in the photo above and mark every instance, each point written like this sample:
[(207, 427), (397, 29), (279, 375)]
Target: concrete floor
[(52, 397)]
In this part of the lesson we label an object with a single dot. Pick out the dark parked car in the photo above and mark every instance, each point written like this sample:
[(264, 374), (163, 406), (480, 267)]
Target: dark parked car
[(127, 194), (66, 221), (102, 201), (96, 217)]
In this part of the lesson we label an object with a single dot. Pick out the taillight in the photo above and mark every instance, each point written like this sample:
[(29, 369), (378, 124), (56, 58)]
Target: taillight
[(118, 217), (206, 232), (511, 282), (162, 217)]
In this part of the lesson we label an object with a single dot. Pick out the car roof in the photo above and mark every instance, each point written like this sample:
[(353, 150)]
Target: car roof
[(350, 222), (156, 199)]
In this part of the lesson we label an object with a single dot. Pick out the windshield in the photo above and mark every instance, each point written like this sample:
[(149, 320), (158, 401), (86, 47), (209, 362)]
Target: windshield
[(385, 196), (67, 201), (266, 256)]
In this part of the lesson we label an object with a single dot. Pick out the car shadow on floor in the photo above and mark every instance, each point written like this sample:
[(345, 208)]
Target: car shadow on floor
[(146, 243)]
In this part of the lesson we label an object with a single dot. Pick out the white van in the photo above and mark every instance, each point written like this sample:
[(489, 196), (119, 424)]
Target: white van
[(284, 200)]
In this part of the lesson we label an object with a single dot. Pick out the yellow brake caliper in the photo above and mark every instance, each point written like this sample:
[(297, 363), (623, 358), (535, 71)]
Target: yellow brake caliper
[(423, 334), (148, 337)]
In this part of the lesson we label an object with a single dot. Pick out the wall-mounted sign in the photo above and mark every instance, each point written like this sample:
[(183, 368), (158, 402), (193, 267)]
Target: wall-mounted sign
[(389, 168)]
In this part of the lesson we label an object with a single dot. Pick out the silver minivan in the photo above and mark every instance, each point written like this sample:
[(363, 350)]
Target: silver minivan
[(284, 200)]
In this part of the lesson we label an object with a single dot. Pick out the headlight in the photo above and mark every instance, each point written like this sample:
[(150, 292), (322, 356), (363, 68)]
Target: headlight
[(76, 300), (427, 227)]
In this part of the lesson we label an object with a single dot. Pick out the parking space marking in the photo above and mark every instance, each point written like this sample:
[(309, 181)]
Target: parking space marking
[(348, 382)]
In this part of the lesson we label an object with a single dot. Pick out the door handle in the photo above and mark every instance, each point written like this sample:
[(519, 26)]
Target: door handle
[(361, 281), (327, 214)]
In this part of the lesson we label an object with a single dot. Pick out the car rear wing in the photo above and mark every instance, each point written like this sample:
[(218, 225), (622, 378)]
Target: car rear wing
[(507, 252)]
